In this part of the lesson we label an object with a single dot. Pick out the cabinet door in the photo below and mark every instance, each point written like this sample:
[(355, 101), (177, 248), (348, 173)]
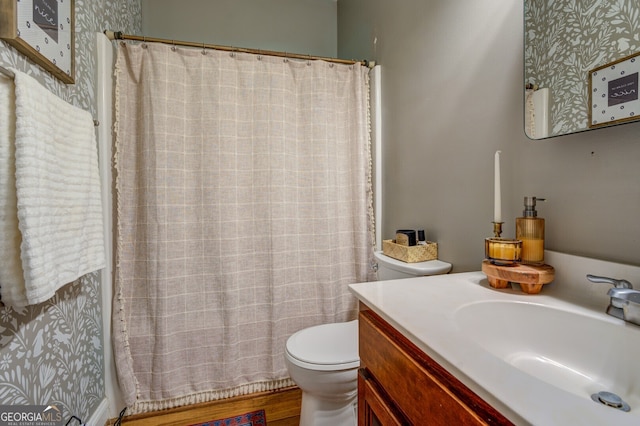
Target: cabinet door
[(422, 391), (373, 409)]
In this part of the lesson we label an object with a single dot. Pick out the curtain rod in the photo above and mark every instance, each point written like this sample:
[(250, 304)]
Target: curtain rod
[(118, 35), (10, 74)]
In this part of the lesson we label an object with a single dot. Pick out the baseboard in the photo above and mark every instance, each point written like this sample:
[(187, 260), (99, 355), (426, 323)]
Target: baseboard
[(282, 408), (100, 417)]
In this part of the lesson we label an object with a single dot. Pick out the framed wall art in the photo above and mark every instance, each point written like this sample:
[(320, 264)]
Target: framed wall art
[(613, 92), (42, 30)]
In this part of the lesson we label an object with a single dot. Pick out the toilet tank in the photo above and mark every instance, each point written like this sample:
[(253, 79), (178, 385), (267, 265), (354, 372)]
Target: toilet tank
[(393, 269)]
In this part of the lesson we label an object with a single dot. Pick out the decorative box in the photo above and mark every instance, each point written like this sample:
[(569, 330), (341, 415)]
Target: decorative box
[(410, 254)]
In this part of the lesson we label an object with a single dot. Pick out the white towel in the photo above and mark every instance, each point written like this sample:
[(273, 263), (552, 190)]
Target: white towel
[(10, 264), (57, 187)]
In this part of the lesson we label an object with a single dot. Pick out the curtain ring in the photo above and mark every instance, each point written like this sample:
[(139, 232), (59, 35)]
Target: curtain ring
[(204, 51), (173, 48), (144, 42)]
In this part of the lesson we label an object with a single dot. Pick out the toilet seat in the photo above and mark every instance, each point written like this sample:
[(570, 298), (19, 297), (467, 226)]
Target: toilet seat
[(325, 347)]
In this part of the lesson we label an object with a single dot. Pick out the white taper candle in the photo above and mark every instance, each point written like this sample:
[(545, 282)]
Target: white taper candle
[(497, 207)]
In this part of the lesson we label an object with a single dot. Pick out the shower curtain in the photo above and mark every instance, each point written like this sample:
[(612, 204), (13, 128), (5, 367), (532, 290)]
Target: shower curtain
[(244, 210)]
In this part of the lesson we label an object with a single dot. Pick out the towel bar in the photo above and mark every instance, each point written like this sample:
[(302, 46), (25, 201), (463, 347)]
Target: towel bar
[(9, 74)]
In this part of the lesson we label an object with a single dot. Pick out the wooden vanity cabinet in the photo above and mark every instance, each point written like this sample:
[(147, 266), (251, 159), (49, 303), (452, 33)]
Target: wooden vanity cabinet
[(398, 384)]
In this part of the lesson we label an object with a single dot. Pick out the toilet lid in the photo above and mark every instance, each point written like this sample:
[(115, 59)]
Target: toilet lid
[(326, 344), (419, 269)]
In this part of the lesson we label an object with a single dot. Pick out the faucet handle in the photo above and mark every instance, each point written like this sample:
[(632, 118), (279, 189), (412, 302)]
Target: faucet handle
[(619, 295), (606, 280), (622, 293)]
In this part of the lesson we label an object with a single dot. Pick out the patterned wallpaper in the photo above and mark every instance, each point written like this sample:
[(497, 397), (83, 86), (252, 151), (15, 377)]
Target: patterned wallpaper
[(564, 40), (52, 353)]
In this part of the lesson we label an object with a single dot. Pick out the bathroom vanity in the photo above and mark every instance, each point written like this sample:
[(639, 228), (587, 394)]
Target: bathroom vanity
[(450, 349), (398, 384)]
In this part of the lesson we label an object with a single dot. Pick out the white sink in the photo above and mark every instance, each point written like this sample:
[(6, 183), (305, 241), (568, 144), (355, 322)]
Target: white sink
[(572, 350), (536, 358)]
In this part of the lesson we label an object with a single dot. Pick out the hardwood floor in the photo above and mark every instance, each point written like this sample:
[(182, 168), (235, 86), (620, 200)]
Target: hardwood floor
[(282, 408)]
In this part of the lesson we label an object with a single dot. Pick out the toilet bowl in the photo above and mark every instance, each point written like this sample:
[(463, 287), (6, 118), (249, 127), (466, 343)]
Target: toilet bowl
[(323, 360)]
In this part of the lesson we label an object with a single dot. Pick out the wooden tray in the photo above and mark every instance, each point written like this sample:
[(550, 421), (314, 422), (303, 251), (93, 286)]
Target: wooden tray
[(530, 277)]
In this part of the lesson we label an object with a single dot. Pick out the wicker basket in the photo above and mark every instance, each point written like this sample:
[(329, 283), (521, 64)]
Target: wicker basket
[(410, 254)]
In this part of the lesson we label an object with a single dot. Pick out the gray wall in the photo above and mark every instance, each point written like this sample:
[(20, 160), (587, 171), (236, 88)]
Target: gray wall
[(296, 26), (452, 95), (52, 353)]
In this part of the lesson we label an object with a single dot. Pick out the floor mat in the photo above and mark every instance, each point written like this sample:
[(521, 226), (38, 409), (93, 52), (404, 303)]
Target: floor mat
[(254, 418)]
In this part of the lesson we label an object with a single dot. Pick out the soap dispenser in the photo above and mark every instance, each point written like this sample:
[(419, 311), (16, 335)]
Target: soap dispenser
[(530, 230)]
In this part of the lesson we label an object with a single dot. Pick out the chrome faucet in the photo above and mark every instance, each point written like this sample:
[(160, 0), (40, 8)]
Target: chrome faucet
[(624, 302)]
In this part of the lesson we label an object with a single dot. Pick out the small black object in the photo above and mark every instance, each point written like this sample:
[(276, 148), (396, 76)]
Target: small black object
[(73, 418), (120, 416), (411, 235)]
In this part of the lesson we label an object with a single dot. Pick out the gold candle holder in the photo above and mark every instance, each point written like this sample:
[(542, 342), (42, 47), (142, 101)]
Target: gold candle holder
[(503, 251), (497, 229)]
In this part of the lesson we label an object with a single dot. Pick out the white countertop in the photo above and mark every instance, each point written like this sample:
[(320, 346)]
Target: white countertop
[(424, 309)]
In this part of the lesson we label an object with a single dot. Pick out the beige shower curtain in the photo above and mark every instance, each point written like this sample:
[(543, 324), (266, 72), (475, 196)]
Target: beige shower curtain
[(243, 213)]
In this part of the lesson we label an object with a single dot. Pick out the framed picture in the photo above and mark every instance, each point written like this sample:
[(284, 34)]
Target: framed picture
[(43, 30), (613, 92)]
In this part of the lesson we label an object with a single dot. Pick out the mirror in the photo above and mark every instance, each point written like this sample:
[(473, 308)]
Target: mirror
[(564, 42)]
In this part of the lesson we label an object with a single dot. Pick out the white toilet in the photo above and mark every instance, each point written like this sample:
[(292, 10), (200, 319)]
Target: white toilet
[(323, 360), (393, 269)]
